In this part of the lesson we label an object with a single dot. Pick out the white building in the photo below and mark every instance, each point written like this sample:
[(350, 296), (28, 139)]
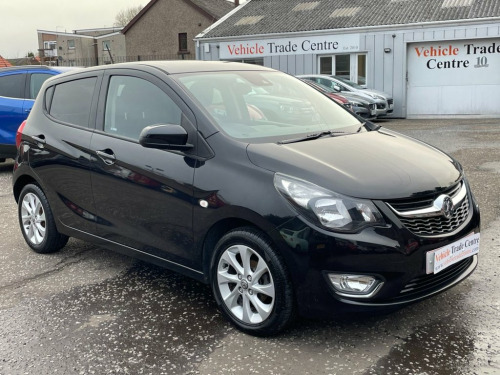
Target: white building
[(436, 57)]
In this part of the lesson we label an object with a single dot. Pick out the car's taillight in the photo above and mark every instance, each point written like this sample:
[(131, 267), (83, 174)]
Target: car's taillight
[(19, 133)]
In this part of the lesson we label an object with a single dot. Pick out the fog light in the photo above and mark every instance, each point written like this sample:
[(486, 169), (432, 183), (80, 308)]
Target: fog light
[(357, 286)]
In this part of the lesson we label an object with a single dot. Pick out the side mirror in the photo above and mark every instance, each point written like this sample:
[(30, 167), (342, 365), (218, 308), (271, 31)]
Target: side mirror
[(167, 137)]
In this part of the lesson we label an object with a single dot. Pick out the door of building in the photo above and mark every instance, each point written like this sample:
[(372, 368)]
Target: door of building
[(453, 78)]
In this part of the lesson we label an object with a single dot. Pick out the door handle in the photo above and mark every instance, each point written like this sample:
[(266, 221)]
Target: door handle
[(107, 156)]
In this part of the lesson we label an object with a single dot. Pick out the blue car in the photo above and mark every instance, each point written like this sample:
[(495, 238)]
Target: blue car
[(19, 87)]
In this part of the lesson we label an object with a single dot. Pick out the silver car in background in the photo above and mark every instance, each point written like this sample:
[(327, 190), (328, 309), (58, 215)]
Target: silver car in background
[(385, 102)]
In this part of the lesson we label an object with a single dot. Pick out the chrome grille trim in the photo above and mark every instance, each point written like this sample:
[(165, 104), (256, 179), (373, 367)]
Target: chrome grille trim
[(431, 211), (431, 226), (422, 217)]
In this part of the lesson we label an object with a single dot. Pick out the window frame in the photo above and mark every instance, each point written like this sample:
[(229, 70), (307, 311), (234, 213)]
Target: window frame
[(73, 42), (74, 77)]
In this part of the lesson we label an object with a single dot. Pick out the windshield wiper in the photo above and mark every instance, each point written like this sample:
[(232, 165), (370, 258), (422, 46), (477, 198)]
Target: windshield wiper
[(370, 126), (311, 136), (363, 125)]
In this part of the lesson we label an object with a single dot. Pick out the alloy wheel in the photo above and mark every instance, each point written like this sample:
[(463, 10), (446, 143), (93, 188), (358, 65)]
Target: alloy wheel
[(33, 218), (246, 284)]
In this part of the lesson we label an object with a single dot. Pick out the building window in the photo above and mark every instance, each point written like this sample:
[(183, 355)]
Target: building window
[(183, 42), (346, 66), (49, 45), (49, 48), (71, 44), (106, 45)]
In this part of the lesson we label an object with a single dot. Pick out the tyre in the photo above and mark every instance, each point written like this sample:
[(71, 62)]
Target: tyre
[(2, 160), (37, 222), (250, 283)]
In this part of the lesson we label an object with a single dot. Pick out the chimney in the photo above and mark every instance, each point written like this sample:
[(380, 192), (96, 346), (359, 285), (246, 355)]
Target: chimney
[(236, 3)]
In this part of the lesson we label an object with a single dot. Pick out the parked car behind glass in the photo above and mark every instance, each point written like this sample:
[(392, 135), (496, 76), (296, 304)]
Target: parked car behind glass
[(385, 103), (331, 94), (176, 164), (362, 106), (19, 87)]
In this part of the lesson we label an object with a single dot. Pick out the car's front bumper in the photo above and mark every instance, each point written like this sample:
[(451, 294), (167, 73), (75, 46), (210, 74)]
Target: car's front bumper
[(393, 254)]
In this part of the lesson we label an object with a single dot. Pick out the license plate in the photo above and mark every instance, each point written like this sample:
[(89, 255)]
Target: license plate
[(373, 111), (391, 106), (440, 259)]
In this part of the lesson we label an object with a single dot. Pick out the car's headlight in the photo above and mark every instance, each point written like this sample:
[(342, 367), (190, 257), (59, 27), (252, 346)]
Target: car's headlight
[(331, 210)]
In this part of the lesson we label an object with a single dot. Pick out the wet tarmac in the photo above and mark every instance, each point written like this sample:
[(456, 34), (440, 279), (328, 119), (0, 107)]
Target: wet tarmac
[(86, 310)]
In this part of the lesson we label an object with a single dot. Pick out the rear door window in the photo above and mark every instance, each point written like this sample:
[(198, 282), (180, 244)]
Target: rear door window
[(12, 85), (72, 101)]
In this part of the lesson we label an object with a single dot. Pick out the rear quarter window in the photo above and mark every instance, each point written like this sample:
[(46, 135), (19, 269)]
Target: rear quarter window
[(72, 100)]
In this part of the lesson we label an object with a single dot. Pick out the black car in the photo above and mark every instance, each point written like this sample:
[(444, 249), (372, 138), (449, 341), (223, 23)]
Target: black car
[(174, 163)]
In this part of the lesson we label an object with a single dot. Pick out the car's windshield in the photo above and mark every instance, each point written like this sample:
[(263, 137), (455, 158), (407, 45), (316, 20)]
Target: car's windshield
[(258, 105), (349, 82)]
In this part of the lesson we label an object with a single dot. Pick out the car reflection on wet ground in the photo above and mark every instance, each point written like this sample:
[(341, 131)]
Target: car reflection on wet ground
[(88, 311)]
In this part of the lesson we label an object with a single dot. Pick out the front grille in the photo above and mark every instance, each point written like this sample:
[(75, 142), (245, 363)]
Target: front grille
[(404, 205), (426, 284), (431, 226), (409, 212), (380, 105), (390, 101)]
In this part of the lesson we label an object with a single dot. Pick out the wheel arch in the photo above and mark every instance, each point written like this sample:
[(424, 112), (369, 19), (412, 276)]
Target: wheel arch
[(218, 229), (21, 182), (215, 233)]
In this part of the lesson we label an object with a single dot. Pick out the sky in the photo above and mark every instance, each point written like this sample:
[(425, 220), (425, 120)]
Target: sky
[(20, 20)]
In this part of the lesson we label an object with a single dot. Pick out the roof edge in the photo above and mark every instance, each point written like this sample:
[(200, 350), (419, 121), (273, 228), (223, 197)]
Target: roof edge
[(64, 34), (138, 16), (222, 19), (468, 21), (152, 2)]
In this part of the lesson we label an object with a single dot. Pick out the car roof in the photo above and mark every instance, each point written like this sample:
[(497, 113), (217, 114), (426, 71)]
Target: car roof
[(185, 66), (59, 69)]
